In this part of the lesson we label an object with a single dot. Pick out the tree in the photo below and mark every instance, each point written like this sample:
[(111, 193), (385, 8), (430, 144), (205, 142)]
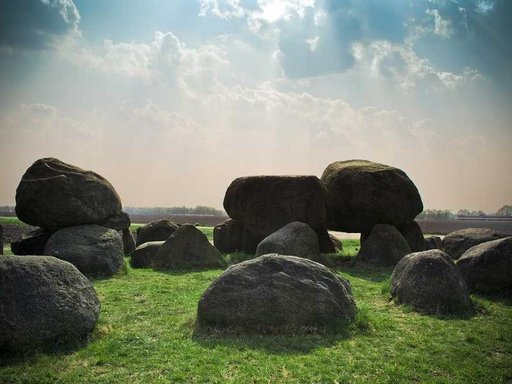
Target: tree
[(506, 210)]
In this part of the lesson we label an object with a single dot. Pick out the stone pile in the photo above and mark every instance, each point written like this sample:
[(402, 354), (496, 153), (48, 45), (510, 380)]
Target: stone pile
[(75, 210)]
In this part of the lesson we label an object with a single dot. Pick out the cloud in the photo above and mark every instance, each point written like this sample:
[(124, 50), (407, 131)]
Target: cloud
[(36, 24)]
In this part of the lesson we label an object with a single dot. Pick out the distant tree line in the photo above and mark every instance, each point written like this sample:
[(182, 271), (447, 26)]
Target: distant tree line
[(445, 214), (166, 211)]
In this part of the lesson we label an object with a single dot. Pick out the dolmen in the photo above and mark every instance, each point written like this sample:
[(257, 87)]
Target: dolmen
[(276, 294), (46, 303), (378, 201), (430, 283), (73, 208), (260, 205)]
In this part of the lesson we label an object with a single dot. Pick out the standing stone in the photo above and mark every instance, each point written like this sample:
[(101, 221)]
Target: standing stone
[(128, 241), (158, 230), (232, 236), (414, 236), (431, 283), (458, 242), (187, 248), (95, 250), (275, 293), (263, 204), (384, 246), (487, 267), (31, 243), (53, 195), (144, 255), (294, 239), (45, 303), (362, 194)]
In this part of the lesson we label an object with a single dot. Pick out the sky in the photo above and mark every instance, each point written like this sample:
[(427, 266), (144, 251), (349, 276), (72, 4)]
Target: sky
[(172, 100)]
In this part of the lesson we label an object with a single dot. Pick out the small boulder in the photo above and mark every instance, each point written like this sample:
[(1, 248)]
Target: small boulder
[(294, 239), (431, 283), (263, 204), (433, 242), (187, 248), (95, 250), (232, 236), (414, 236), (45, 303), (487, 267), (158, 230), (128, 241), (144, 254), (384, 246), (31, 243), (337, 244), (53, 195), (118, 222), (275, 293), (362, 194), (458, 242)]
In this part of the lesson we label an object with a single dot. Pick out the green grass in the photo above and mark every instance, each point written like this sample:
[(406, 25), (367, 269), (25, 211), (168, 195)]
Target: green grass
[(10, 220)]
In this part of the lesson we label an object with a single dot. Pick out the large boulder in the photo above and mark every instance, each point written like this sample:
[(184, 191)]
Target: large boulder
[(158, 230), (362, 194), (263, 204), (232, 236), (276, 293), (95, 250), (487, 267), (44, 303), (144, 254), (384, 246), (294, 239), (458, 242), (53, 195), (431, 283), (187, 248), (31, 243)]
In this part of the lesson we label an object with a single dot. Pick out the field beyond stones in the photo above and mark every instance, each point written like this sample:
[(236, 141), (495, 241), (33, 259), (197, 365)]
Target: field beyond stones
[(145, 335)]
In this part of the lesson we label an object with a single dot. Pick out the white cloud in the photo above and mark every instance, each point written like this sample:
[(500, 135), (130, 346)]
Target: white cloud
[(442, 27), (313, 43)]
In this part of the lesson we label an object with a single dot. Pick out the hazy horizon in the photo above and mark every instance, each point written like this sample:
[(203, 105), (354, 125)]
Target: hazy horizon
[(172, 100)]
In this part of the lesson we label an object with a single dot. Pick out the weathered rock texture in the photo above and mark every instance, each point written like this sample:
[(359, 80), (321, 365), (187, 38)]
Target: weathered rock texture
[(144, 254), (294, 239), (384, 246), (458, 242), (414, 236), (433, 242), (487, 267), (275, 293), (53, 195), (187, 248), (95, 250), (158, 230), (431, 283), (119, 222), (128, 241), (232, 236), (1, 240), (45, 302), (31, 243), (362, 194), (263, 204)]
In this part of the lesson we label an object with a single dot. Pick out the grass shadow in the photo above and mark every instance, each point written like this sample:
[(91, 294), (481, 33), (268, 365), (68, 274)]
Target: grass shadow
[(504, 297), (369, 272)]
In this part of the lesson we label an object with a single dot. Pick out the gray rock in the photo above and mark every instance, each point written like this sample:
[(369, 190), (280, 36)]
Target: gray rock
[(263, 204), (232, 236), (95, 250), (487, 267), (414, 236), (128, 241), (31, 243), (294, 239), (384, 246), (187, 248), (338, 245), (431, 283), (1, 239), (144, 255), (458, 242), (53, 195), (45, 303), (362, 194), (158, 230), (433, 242), (275, 293), (118, 222)]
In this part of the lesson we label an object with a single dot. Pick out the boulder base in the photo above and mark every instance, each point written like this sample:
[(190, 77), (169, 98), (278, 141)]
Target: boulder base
[(275, 293), (144, 255), (232, 236), (45, 302), (431, 283), (384, 246), (31, 243), (96, 251), (158, 230)]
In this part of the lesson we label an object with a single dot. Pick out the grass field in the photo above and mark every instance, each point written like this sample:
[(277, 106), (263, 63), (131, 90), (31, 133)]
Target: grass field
[(145, 335)]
